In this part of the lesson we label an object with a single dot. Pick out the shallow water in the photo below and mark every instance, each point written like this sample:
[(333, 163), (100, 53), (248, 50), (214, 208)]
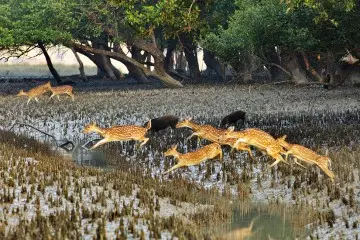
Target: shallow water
[(83, 156), (251, 220)]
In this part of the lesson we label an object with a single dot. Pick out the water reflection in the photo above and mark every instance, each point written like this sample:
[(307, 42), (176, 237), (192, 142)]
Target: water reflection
[(260, 221), (83, 156)]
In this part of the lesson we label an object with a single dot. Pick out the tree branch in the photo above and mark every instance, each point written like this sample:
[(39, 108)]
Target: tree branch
[(310, 69), (280, 67)]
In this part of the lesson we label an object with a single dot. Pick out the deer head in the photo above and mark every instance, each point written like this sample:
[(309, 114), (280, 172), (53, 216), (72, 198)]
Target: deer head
[(184, 123), (21, 93), (171, 151), (90, 128)]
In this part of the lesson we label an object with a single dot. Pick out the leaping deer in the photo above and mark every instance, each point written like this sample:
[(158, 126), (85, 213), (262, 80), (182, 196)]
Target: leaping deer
[(212, 134), (257, 138), (307, 155), (119, 133), (193, 158)]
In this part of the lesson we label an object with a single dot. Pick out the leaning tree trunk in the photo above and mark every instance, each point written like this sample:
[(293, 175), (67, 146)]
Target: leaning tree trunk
[(213, 64), (49, 63), (81, 65), (97, 59), (112, 72), (159, 70), (134, 71), (191, 56)]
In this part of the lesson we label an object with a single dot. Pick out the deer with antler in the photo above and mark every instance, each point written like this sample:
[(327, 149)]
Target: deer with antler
[(257, 138), (64, 89), (35, 92), (306, 155), (212, 134), (119, 133), (194, 158)]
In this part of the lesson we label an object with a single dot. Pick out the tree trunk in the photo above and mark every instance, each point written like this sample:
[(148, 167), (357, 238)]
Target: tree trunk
[(100, 73), (49, 63), (191, 56), (97, 59), (112, 72), (213, 64), (81, 65), (159, 71), (168, 62), (134, 71), (293, 65)]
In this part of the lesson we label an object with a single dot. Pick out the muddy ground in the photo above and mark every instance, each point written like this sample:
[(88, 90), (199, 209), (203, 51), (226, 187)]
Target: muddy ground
[(324, 120)]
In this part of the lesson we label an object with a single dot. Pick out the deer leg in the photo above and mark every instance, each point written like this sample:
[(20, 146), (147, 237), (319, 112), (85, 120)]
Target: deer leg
[(192, 135), (52, 96), (220, 155), (248, 150), (250, 154), (28, 101), (327, 172), (199, 141), (58, 97), (296, 161), (173, 168), (144, 141), (72, 97), (278, 158), (101, 142)]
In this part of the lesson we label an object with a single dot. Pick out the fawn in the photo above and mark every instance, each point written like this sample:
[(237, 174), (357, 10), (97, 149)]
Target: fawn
[(63, 89), (307, 155), (259, 139), (35, 92), (193, 158), (119, 133)]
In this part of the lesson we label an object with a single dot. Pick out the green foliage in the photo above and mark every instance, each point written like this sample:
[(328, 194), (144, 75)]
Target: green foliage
[(257, 27), (325, 9), (172, 16), (26, 22)]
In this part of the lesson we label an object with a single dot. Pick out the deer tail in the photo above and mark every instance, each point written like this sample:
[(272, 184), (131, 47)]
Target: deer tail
[(148, 126)]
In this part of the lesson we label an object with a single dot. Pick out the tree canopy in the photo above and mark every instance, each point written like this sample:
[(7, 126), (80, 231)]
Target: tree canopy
[(244, 34)]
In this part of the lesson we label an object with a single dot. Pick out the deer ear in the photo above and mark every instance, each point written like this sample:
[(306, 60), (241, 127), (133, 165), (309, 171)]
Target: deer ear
[(327, 152), (188, 118), (231, 129), (283, 137), (174, 146)]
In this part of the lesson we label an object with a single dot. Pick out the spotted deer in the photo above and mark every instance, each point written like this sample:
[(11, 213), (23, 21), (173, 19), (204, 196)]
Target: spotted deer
[(119, 133), (63, 89), (307, 155), (212, 134), (35, 92), (257, 138), (207, 132), (194, 158)]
